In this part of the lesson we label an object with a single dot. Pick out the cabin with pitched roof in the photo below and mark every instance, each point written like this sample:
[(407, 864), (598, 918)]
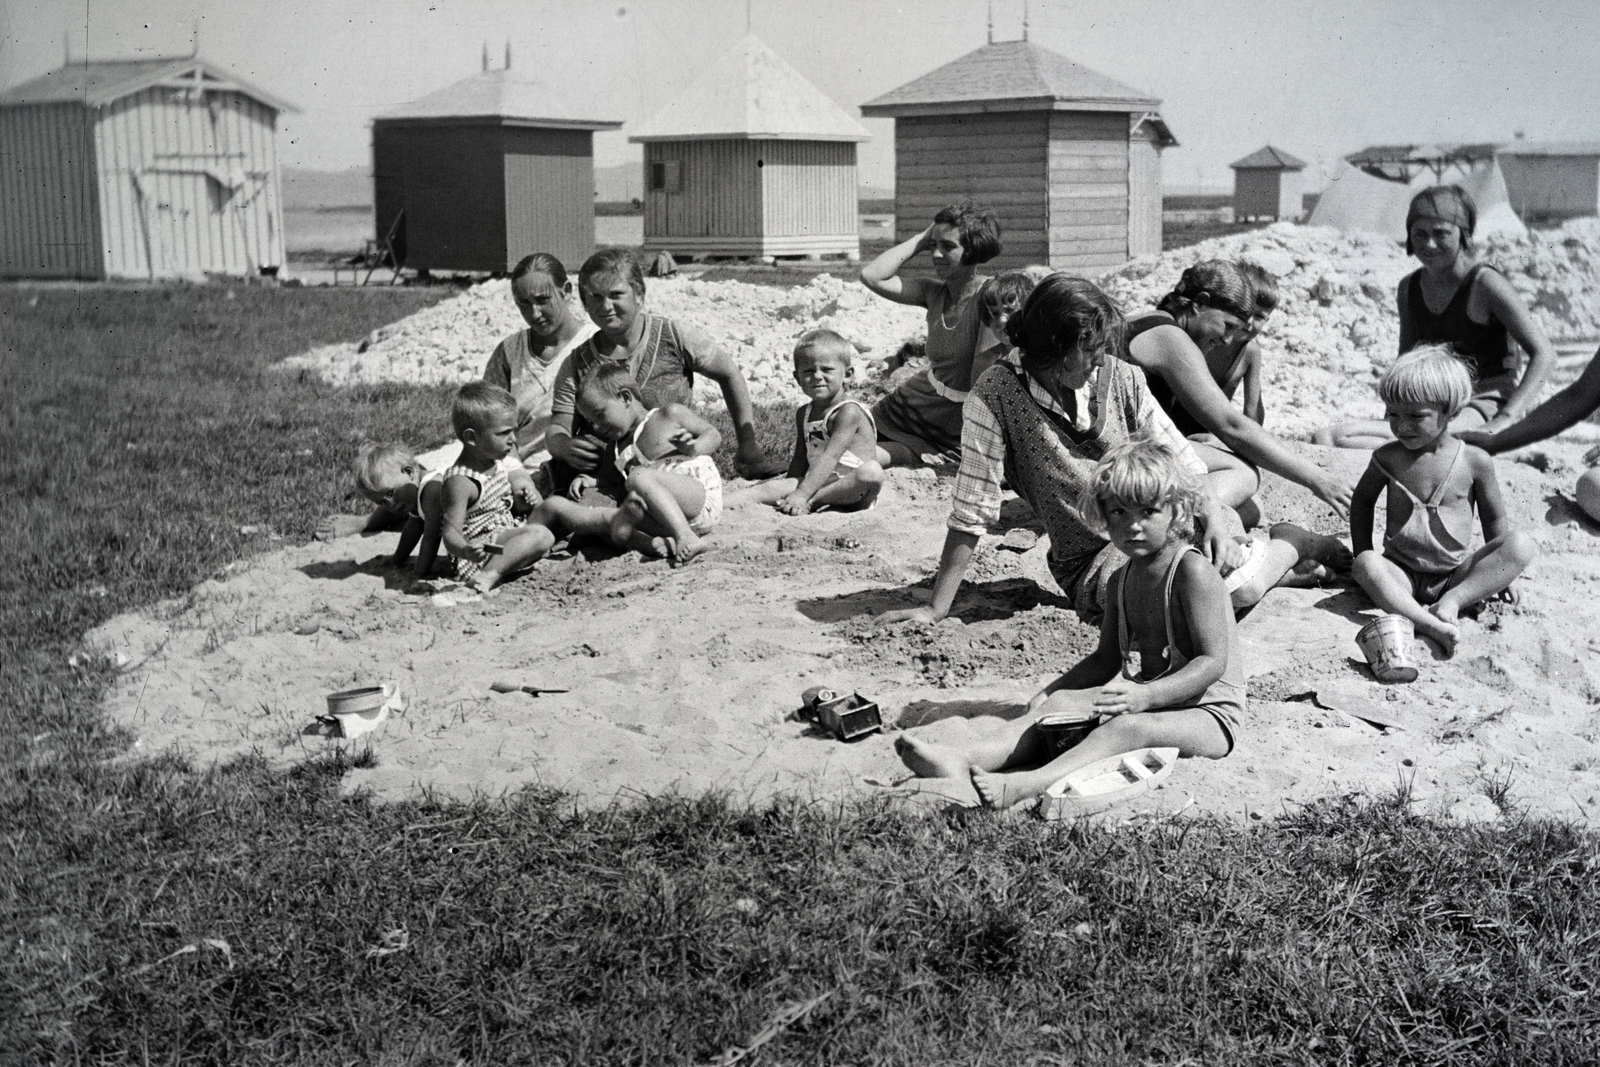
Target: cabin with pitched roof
[(1549, 181), (751, 160), (1068, 158), (485, 171), (155, 168), (1267, 185)]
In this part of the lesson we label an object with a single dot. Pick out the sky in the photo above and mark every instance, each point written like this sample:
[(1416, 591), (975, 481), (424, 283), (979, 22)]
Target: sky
[(1318, 78)]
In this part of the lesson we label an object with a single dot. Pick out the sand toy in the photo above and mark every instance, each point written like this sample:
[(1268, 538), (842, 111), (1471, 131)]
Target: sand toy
[(1386, 643), (1106, 782)]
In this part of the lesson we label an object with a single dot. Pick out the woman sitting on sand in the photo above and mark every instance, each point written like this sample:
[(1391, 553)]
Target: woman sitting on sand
[(1478, 315), (923, 416), (1196, 349)]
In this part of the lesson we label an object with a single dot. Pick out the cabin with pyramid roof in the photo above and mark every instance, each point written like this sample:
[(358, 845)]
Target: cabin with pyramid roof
[(751, 160), (1069, 159), (483, 172), (1266, 185), (151, 168)]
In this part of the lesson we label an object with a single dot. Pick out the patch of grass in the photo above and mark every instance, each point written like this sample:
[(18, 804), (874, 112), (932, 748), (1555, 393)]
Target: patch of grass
[(156, 912)]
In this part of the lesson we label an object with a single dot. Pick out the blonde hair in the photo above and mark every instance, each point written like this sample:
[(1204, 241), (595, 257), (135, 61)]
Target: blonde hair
[(1430, 375), (1145, 472), (825, 341), (375, 462), (478, 402)]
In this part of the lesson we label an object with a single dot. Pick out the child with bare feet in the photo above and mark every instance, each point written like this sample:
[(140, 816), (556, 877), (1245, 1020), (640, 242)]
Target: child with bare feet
[(1426, 571), (837, 462), (1167, 671), (674, 490), (478, 493), (392, 478)]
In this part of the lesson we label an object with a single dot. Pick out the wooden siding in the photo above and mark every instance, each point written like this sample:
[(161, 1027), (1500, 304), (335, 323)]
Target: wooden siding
[(549, 183), (1144, 194), (998, 161), (49, 215), (450, 181), (719, 192), (1546, 188), (1089, 217), (188, 185), (809, 197)]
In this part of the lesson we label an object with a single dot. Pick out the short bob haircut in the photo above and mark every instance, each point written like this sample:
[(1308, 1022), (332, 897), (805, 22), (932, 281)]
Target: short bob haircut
[(1428, 375), (613, 263), (544, 263), (825, 341), (978, 228), (1066, 314), (1449, 203), (378, 463), (1145, 472), (1008, 291), (610, 381), (1214, 283), (477, 402)]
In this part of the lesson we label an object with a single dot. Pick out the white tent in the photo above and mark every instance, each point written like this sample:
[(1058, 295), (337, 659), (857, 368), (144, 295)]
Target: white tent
[(1356, 202)]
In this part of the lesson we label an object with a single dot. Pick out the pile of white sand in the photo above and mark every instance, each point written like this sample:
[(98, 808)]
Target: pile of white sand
[(1335, 330)]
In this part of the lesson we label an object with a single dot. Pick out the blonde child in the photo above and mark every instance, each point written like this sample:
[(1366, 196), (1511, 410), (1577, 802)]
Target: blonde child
[(1426, 570), (392, 478), (674, 492), (478, 493), (836, 462), (1167, 671)]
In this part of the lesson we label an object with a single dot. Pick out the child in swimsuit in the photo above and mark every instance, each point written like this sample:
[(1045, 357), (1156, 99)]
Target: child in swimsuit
[(674, 490), (1167, 671), (1426, 570), (392, 478), (478, 494), (837, 462)]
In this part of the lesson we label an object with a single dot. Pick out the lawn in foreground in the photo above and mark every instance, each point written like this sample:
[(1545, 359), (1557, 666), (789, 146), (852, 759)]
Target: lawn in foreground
[(167, 914)]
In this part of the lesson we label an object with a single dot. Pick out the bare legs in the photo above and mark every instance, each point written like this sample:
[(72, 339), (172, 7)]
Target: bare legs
[(849, 492), (1488, 571), (520, 548), (1289, 548), (654, 519)]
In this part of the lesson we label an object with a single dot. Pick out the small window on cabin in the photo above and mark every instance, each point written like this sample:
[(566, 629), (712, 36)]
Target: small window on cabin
[(666, 177)]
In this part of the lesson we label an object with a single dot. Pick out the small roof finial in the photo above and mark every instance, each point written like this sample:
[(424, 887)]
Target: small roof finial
[(991, 21), (486, 56), (194, 39), (508, 53), (1024, 20)]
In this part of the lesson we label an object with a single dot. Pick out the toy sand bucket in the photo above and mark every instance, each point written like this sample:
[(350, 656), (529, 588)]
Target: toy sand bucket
[(359, 711), (1387, 643), (1060, 730)]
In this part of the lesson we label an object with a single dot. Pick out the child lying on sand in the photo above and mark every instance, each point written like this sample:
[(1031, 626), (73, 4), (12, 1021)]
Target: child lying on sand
[(1435, 480), (392, 478), (1167, 671)]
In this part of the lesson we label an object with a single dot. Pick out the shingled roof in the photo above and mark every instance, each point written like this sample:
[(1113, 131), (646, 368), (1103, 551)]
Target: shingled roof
[(102, 82), (1009, 76), (1268, 158), (498, 96), (751, 93)]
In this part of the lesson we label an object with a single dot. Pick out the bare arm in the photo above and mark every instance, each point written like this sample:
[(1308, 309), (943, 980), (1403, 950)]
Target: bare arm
[(1504, 304), (694, 435), (1408, 331), (1209, 614), (749, 458), (1095, 669), (581, 453), (432, 499), (1362, 505), (458, 494), (524, 495), (1486, 494), (849, 426), (410, 534), (953, 562), (798, 462), (882, 275), (1564, 410), (1254, 409)]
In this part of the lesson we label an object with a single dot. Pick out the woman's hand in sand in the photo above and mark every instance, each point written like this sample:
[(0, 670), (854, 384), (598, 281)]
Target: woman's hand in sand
[(795, 504), (1122, 697)]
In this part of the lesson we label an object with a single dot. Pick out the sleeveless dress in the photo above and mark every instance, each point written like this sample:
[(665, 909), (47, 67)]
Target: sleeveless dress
[(1423, 544), (1485, 347), (1181, 416), (531, 380), (817, 432), (928, 406), (1224, 698), (490, 513), (702, 469)]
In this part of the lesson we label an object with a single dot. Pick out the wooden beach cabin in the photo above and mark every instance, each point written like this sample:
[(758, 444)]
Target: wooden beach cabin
[(154, 168), (1068, 158), (1267, 185), (1548, 181), (483, 172), (751, 160)]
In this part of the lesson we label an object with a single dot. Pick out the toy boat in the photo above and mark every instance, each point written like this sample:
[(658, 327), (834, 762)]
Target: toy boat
[(1107, 782)]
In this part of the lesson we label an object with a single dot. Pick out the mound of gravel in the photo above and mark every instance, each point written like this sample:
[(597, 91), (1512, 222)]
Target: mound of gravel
[(1334, 333)]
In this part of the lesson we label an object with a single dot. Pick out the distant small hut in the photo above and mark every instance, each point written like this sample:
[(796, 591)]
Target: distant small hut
[(483, 172), (1548, 181), (751, 160), (1068, 158), (1267, 185), (155, 168)]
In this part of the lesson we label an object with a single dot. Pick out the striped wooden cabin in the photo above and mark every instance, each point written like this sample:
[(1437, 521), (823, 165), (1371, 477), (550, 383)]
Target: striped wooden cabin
[(486, 171), (157, 168), (751, 160), (1266, 185), (1069, 159)]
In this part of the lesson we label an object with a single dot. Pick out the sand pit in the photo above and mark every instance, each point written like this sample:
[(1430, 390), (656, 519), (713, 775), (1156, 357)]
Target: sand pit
[(685, 679)]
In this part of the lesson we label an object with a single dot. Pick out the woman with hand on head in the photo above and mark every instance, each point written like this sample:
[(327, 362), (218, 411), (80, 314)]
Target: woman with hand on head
[(1454, 300), (923, 415)]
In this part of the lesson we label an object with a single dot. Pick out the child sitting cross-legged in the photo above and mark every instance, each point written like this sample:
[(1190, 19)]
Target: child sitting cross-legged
[(479, 493), (837, 462), (1426, 571), (674, 490), (1167, 671), (392, 478)]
